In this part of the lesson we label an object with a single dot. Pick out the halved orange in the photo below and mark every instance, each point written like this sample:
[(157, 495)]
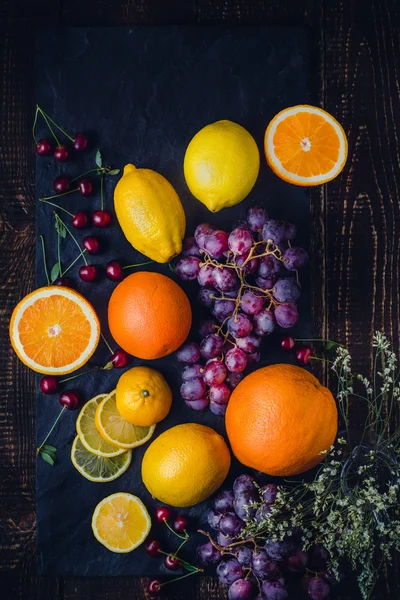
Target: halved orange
[(305, 145), (54, 330)]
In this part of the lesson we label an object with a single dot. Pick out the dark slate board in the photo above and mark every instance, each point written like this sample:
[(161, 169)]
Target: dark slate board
[(141, 94)]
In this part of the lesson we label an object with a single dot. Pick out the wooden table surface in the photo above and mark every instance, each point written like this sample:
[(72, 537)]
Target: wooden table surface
[(355, 226)]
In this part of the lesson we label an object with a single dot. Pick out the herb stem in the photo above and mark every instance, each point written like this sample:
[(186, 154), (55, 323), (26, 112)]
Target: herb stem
[(44, 260), (51, 430)]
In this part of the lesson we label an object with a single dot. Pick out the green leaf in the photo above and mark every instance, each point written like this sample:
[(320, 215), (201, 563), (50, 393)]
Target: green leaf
[(50, 450), (62, 232), (47, 447), (55, 272), (329, 345), (114, 172), (108, 366), (98, 159), (46, 457)]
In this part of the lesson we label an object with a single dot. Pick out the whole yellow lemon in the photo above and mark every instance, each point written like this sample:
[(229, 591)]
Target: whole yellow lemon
[(150, 213), (221, 164), (143, 396), (185, 464)]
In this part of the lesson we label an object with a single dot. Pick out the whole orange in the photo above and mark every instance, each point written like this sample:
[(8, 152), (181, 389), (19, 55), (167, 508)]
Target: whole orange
[(149, 315), (281, 421)]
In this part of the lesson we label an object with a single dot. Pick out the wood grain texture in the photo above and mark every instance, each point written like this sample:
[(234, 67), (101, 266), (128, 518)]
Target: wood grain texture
[(355, 226)]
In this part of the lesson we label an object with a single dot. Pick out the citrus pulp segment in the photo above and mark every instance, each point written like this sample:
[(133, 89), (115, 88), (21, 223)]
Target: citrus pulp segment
[(98, 468), (88, 433)]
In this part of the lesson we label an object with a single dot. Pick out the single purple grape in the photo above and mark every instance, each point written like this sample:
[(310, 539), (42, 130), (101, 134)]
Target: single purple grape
[(279, 550), (243, 555), (274, 590), (290, 231), (256, 218), (224, 279), (265, 284), (268, 493), (268, 266), (244, 483), (216, 243), (204, 276), (198, 405), (189, 353), (286, 290), (202, 231), (251, 265), (223, 503), (240, 325), (192, 372), (318, 589), (236, 360), (223, 309), (208, 555), (206, 297), (286, 315), (263, 566), (295, 259), (242, 224), (233, 379), (230, 525), (250, 343), (241, 589), (297, 561), (213, 519), (190, 247), (240, 241), (274, 231), (214, 373), (229, 571), (218, 410), (243, 505), (193, 389), (219, 393), (251, 303), (188, 268), (264, 322), (211, 346), (206, 327), (223, 540)]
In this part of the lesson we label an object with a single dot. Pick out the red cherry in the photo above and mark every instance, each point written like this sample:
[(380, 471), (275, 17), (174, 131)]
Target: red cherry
[(303, 355), (65, 281), (81, 142), (44, 147), (70, 400), (154, 588), (85, 187), (287, 342), (101, 218), (114, 271), (88, 273), (172, 563), (80, 220), (119, 359), (163, 513), (61, 153), (91, 244), (152, 548), (61, 184), (48, 384), (180, 524)]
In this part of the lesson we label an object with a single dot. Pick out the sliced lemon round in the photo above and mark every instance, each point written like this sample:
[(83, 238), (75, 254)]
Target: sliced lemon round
[(115, 430), (98, 468), (90, 435), (121, 522)]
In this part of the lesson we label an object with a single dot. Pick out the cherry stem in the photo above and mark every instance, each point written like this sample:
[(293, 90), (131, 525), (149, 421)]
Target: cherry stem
[(106, 343), (59, 195), (138, 264), (321, 359), (175, 554), (57, 206), (98, 169), (59, 254), (59, 128), (318, 340), (44, 260), (184, 563), (34, 125), (73, 262), (177, 534), (196, 570), (73, 237), (80, 374), (51, 430), (46, 118), (102, 191)]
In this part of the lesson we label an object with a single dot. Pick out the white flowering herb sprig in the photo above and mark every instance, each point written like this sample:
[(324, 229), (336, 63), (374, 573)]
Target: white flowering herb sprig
[(352, 506)]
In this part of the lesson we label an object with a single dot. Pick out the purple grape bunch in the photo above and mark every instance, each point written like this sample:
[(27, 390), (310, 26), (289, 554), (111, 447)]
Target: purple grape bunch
[(266, 569), (248, 281)]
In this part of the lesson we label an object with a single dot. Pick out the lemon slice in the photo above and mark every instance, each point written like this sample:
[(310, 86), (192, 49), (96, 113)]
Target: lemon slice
[(90, 435), (115, 430), (98, 468), (121, 522)]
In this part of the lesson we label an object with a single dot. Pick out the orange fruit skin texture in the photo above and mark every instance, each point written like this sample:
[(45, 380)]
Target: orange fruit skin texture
[(279, 420), (149, 315)]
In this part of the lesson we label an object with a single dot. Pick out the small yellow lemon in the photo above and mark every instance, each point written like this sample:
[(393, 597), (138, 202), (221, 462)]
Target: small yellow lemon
[(143, 396), (150, 213), (221, 164), (185, 464)]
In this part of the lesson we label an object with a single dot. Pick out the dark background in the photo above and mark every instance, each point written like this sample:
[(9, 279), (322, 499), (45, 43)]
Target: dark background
[(355, 227)]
